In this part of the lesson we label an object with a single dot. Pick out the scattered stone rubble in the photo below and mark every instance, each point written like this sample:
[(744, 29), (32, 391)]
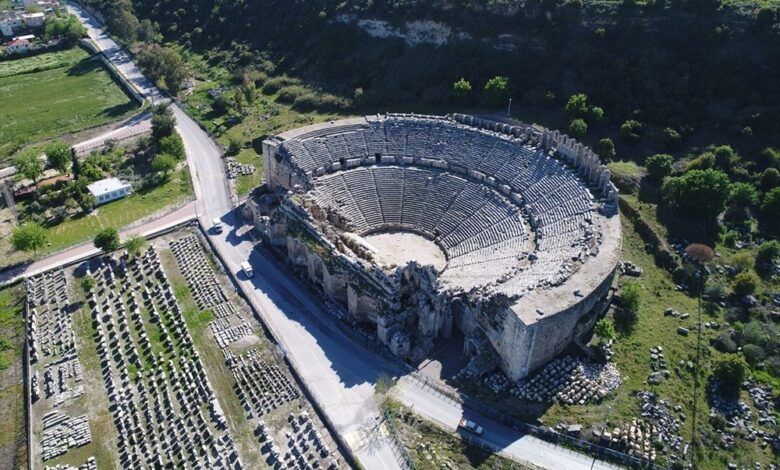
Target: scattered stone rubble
[(261, 387), (234, 168), (570, 381)]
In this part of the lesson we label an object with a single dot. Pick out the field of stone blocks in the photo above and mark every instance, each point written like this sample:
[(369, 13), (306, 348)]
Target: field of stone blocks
[(288, 432), (56, 377), (152, 377)]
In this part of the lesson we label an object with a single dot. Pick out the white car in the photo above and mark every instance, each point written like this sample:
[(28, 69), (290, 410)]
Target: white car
[(470, 426)]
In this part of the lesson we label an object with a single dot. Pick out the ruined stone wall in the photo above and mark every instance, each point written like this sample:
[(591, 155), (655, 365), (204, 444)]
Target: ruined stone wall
[(524, 348)]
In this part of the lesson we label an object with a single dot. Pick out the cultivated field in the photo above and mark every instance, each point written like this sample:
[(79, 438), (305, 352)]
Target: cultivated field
[(55, 93)]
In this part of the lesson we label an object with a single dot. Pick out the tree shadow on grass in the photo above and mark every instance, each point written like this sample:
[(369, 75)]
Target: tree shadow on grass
[(118, 110), (84, 67)]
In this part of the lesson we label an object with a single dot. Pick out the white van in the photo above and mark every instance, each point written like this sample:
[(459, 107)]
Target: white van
[(217, 225), (247, 268)]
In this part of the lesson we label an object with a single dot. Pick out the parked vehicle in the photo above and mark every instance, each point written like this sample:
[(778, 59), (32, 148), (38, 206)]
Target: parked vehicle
[(247, 268), (470, 426)]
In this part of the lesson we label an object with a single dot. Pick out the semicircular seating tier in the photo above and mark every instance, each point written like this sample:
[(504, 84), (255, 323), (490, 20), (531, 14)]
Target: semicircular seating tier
[(536, 240)]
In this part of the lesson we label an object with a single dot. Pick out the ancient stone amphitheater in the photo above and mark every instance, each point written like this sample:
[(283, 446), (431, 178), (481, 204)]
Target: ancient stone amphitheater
[(429, 227)]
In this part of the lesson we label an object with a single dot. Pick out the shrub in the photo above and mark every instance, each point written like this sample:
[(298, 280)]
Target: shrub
[(730, 371), (604, 329), (173, 146), (772, 365), (743, 261), (698, 193), (770, 178), (671, 138), (578, 128), (731, 238), (753, 354), (715, 291), (771, 205), (87, 283), (724, 343), (743, 195), (631, 131), (134, 245), (289, 93), (277, 83), (631, 296), (744, 283), (606, 149), (660, 165), (461, 90), (767, 253), (496, 90)]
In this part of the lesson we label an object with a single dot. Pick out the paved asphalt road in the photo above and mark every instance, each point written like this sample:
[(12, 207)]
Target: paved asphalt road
[(339, 374)]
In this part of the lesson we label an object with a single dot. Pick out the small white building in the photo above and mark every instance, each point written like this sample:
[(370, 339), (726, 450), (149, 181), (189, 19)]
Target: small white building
[(109, 189)]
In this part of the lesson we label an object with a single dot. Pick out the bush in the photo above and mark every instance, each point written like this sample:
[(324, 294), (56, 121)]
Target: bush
[(767, 253), (277, 83), (730, 371), (743, 261), (173, 146), (715, 291), (631, 131), (743, 195), (744, 283), (724, 343), (771, 205), (698, 193), (770, 178), (496, 90), (87, 283), (772, 365), (671, 138), (660, 165), (289, 93), (461, 90), (578, 128), (606, 149), (731, 238), (753, 354)]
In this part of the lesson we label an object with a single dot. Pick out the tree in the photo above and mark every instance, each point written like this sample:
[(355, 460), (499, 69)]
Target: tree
[(631, 296), (770, 178), (134, 245), (743, 195), (767, 253), (29, 165), (578, 128), (60, 156), (698, 193), (725, 157), (659, 166), (173, 146), (496, 90), (604, 329), (606, 149), (164, 65), (164, 163), (68, 28), (771, 205), (29, 237), (87, 283), (163, 122), (631, 131), (577, 106), (730, 371), (744, 283), (461, 90), (107, 240)]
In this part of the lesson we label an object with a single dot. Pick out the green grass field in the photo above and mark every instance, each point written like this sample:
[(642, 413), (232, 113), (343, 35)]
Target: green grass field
[(69, 93), (246, 183), (122, 212), (13, 443)]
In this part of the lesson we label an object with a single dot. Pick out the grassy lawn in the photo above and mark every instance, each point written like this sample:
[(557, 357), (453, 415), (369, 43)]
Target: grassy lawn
[(69, 93), (13, 437), (122, 212), (246, 183)]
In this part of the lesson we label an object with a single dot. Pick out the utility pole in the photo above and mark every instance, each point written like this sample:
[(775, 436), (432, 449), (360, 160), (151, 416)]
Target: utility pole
[(509, 108)]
